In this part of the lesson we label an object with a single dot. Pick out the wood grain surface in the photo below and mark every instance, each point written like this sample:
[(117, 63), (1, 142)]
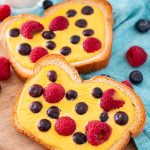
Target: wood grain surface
[(10, 139)]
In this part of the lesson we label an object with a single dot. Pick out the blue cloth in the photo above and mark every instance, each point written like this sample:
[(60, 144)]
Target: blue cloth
[(126, 13)]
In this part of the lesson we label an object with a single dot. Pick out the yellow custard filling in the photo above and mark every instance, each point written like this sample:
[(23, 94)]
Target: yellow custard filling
[(95, 21), (28, 120)]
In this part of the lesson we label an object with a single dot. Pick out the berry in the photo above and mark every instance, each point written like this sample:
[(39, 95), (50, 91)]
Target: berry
[(71, 95), (128, 83), (108, 102), (91, 44), (37, 53), (59, 23), (29, 28), (121, 118), (136, 56), (97, 132), (54, 92), (44, 125), (79, 138), (136, 77), (142, 25), (4, 11), (65, 126), (47, 4), (4, 69), (35, 107), (104, 117)]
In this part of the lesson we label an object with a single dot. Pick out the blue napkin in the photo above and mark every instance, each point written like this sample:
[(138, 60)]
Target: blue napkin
[(126, 14)]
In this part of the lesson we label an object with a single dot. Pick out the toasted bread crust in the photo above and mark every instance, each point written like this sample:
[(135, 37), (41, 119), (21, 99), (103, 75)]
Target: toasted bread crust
[(58, 60), (97, 62)]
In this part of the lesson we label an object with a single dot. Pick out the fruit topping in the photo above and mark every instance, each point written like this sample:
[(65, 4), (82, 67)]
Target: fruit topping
[(97, 92), (79, 138), (36, 107), (88, 32), (14, 32), (71, 95), (75, 39), (44, 125), (65, 126), (48, 35), (24, 49), (36, 90), (136, 77), (91, 44), (87, 10), (29, 28), (65, 50), (71, 13), (50, 45), (52, 76), (54, 93), (53, 112), (121, 118), (81, 23), (108, 102), (81, 108), (104, 116), (97, 132)]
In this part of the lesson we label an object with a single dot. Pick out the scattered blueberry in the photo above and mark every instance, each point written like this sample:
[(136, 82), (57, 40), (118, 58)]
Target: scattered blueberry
[(71, 13), (81, 108), (14, 32), (121, 118), (143, 25), (87, 10), (24, 49), (36, 107), (47, 4), (79, 138), (81, 23), (71, 95), (44, 125), (50, 45), (88, 32), (104, 116), (48, 34), (53, 112), (75, 39), (36, 91), (136, 77), (65, 50), (52, 76), (97, 92)]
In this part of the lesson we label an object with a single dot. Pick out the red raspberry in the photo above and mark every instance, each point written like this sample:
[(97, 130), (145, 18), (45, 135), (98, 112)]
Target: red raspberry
[(37, 53), (108, 102), (65, 126), (54, 92), (29, 28), (136, 56), (97, 132), (128, 83), (4, 68), (4, 12), (91, 44), (59, 23)]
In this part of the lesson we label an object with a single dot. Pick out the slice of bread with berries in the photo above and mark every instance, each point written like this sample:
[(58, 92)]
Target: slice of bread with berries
[(79, 30), (59, 110)]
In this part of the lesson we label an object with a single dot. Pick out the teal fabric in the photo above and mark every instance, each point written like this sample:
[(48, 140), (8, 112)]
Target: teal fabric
[(126, 13)]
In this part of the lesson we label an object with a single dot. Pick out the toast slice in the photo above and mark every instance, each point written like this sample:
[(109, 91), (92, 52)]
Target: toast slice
[(84, 20), (59, 110)]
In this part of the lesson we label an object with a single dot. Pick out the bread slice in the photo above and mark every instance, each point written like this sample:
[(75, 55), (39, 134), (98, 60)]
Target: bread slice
[(26, 122), (100, 21)]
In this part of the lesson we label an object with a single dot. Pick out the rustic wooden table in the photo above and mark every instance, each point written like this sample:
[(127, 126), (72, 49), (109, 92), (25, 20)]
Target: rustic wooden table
[(10, 139)]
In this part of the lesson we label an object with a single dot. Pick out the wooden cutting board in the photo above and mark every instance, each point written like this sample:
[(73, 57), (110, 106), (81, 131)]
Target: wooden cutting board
[(10, 139)]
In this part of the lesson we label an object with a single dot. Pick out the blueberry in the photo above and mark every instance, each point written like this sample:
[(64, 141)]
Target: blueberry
[(48, 35), (87, 10), (47, 4), (81, 108), (88, 32), (71, 95), (50, 45), (36, 91), (44, 125), (104, 116), (79, 138), (36, 107), (14, 32), (71, 13), (52, 76), (143, 25), (97, 92), (53, 112), (65, 50), (24, 49), (121, 118), (136, 77), (75, 39), (81, 23)]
